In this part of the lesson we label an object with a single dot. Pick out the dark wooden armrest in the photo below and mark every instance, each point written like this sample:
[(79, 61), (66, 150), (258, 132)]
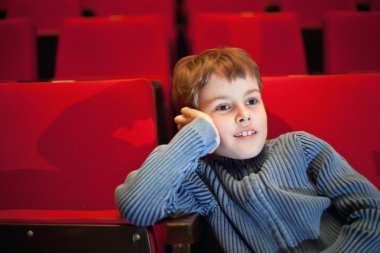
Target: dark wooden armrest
[(183, 232)]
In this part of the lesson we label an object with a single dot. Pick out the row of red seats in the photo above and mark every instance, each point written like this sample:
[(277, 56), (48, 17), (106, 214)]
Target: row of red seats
[(48, 14), (100, 48), (275, 42), (310, 12), (66, 146), (121, 46)]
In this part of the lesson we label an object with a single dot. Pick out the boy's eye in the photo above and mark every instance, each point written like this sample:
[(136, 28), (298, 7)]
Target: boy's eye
[(223, 107), (252, 101)]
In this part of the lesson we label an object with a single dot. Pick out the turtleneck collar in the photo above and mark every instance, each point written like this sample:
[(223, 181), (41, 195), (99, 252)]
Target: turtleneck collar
[(239, 167)]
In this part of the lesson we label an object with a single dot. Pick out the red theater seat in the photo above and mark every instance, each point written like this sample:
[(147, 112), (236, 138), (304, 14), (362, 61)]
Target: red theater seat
[(89, 5), (4, 5), (274, 41), (191, 7), (165, 9), (375, 5), (18, 50), (46, 14), (341, 109), (115, 47), (311, 12), (64, 147), (351, 42)]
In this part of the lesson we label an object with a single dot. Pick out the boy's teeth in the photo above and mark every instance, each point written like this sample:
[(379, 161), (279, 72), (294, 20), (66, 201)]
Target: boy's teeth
[(245, 133)]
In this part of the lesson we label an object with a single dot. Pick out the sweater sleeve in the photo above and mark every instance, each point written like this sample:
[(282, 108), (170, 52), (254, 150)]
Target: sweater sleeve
[(355, 199), (156, 190)]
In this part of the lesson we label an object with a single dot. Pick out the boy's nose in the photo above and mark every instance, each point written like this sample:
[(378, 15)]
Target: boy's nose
[(243, 118)]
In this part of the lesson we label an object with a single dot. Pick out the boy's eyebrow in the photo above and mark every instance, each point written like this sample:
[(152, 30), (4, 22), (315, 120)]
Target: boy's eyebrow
[(252, 91), (209, 101)]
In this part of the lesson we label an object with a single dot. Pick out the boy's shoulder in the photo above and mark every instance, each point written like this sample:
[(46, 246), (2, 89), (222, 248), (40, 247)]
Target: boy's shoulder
[(294, 136), (306, 141)]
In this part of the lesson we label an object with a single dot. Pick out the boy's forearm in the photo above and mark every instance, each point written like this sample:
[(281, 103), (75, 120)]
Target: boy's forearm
[(361, 235), (354, 198), (144, 197), (360, 207)]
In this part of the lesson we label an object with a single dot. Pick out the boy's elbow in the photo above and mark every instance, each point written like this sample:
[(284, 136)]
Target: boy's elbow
[(137, 215), (134, 210)]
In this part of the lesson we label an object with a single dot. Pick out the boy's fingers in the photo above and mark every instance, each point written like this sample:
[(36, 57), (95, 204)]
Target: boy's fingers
[(185, 111), (187, 115), (180, 120), (190, 113)]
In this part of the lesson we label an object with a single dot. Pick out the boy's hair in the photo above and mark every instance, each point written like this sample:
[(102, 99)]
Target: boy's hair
[(191, 73)]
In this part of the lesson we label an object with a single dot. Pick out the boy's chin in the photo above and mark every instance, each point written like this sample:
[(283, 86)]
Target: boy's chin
[(245, 157), (239, 155)]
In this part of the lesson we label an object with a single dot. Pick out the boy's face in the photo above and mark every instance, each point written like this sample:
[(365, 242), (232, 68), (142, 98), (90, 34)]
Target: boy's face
[(238, 113)]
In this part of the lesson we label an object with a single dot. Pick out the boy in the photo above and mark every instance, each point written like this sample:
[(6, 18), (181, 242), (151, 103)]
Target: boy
[(290, 194)]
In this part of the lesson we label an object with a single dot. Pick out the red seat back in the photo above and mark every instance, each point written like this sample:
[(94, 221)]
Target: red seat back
[(311, 13), (165, 9), (341, 109), (191, 7), (4, 5), (119, 47), (18, 50), (351, 42), (274, 41), (375, 5), (68, 145), (46, 14)]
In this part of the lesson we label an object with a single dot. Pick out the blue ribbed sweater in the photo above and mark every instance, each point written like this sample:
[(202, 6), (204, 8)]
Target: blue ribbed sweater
[(297, 195)]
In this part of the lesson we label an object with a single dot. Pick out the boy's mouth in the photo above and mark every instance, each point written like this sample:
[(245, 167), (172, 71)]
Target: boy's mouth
[(245, 133)]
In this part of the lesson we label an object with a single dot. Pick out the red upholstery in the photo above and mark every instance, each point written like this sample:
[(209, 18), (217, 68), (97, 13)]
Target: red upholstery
[(66, 146), (163, 8), (375, 5), (47, 14), (4, 5), (89, 4), (311, 12), (119, 47), (273, 40), (341, 109), (191, 7), (351, 42), (18, 50), (61, 216)]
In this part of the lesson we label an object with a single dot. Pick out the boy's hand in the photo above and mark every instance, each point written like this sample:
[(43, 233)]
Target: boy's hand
[(188, 115)]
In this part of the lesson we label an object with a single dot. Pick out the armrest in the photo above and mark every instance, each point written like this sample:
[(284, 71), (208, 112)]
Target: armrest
[(182, 232)]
